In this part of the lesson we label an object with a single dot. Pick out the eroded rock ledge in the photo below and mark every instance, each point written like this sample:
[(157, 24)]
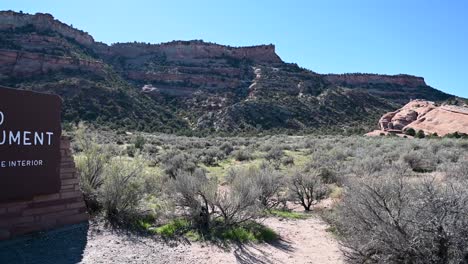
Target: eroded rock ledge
[(426, 116)]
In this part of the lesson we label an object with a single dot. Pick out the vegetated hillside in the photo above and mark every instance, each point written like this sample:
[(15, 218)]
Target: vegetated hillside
[(191, 86)]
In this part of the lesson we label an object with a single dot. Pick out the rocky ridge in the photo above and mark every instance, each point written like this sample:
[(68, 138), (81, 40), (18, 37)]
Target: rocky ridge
[(201, 86)]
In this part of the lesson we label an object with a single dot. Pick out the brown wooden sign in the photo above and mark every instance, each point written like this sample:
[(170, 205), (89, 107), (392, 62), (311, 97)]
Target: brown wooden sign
[(30, 131)]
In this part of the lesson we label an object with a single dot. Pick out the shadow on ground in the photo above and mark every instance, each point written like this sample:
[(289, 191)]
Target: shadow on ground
[(252, 254), (61, 246)]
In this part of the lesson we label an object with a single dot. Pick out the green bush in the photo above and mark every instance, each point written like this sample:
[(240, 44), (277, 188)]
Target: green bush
[(140, 142), (248, 232), (122, 188), (274, 154), (287, 214), (420, 134), (131, 150), (173, 228), (197, 193), (288, 161), (174, 162), (410, 132), (90, 164), (242, 155), (227, 148), (265, 183)]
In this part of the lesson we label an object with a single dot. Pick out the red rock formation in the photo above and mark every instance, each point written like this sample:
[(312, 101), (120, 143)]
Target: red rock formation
[(426, 116), (196, 51), (11, 20), (24, 64), (173, 51)]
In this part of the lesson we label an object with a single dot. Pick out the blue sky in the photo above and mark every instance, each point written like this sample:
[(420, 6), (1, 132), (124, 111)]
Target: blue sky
[(427, 38)]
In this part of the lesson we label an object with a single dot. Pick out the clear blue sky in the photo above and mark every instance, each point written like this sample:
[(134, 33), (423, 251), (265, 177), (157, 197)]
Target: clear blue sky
[(428, 38)]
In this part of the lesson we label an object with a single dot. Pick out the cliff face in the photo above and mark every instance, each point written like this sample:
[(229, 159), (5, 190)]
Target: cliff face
[(370, 79), (190, 85), (183, 51), (13, 20), (189, 65), (29, 64)]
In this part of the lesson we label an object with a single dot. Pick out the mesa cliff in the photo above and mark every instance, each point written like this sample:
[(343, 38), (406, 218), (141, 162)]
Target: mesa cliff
[(191, 85)]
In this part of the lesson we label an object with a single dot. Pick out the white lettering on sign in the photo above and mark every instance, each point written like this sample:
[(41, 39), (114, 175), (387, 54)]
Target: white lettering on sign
[(21, 163), (24, 138)]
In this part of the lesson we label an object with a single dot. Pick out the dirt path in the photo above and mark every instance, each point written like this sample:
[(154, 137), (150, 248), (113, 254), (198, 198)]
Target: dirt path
[(302, 241)]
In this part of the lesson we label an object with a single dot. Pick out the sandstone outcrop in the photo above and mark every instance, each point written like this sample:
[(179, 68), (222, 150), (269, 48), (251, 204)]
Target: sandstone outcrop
[(27, 64), (426, 116), (12, 20)]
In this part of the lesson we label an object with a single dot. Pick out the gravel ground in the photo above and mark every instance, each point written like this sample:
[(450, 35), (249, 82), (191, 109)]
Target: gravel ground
[(302, 241)]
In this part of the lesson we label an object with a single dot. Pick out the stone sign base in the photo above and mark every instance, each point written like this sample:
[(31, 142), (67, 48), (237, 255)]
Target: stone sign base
[(47, 211)]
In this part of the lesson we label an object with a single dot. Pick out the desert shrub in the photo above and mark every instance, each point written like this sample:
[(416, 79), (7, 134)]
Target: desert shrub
[(249, 231), (246, 232), (212, 156), (227, 148), (456, 135), (288, 161), (367, 166), (463, 144), (173, 228), (449, 155), (274, 155), (410, 132), (122, 188), (242, 155), (151, 149), (456, 171), (174, 162), (328, 176), (267, 182), (307, 188), (139, 142), (420, 134), (326, 165), (266, 146), (420, 161), (238, 203), (90, 164), (131, 150), (391, 219), (196, 192), (229, 205)]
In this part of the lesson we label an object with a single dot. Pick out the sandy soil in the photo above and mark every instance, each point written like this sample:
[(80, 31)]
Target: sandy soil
[(302, 241)]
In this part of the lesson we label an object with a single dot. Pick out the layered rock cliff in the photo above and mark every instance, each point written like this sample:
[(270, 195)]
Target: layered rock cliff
[(10, 20), (28, 64), (190, 85)]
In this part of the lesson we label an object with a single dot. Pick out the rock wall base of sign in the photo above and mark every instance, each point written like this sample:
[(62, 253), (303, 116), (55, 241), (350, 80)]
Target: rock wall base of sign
[(47, 211)]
